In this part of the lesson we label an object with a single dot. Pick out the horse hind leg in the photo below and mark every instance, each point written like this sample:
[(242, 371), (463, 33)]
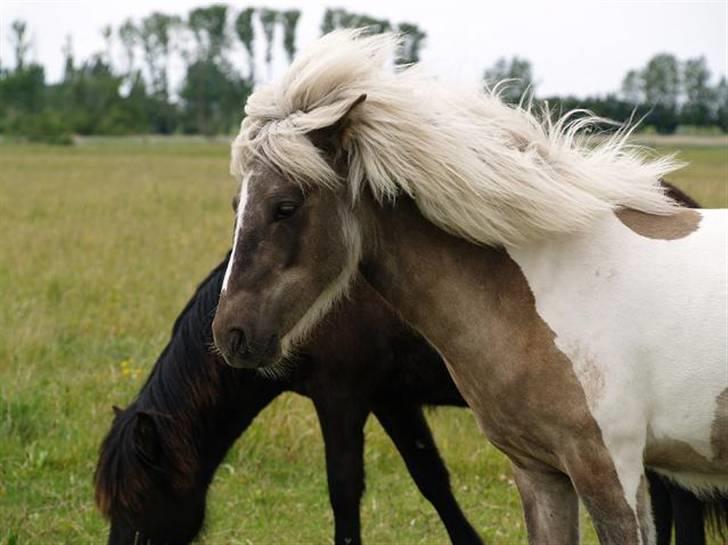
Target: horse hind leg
[(550, 506), (406, 426), (342, 425), (662, 508)]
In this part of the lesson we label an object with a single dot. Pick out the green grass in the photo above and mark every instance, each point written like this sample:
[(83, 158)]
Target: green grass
[(101, 246)]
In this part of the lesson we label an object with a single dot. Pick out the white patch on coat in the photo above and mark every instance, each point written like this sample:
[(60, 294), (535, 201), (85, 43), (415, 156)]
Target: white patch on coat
[(650, 318), (240, 214)]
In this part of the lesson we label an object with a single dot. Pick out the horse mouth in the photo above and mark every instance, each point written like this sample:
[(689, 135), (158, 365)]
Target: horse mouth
[(256, 355)]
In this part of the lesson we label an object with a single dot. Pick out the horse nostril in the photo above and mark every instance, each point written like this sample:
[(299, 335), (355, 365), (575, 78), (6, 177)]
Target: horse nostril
[(237, 340)]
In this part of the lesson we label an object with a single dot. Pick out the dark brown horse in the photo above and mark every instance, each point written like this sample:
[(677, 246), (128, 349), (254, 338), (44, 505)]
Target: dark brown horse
[(157, 461)]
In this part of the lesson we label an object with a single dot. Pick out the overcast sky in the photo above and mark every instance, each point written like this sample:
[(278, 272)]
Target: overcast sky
[(576, 47)]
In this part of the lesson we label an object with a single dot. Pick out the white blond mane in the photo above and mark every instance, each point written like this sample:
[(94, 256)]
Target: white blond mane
[(481, 169)]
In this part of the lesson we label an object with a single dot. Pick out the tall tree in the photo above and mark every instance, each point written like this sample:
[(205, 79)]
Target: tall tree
[(698, 94), (155, 36), (412, 38), (212, 89), (209, 26), (633, 87), (128, 35), (328, 23), (107, 34), (246, 33), (268, 18), (720, 96), (290, 24), (341, 18), (516, 76), (661, 79), (21, 44), (68, 62)]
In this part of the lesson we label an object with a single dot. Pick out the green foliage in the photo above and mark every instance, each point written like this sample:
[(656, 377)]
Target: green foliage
[(412, 36), (341, 18), (246, 33), (632, 87), (20, 44), (699, 97), (721, 104), (155, 36), (661, 79), (412, 40), (290, 23), (48, 127), (268, 18), (97, 97), (24, 109), (209, 27), (128, 35), (610, 107), (213, 99), (676, 93), (516, 75)]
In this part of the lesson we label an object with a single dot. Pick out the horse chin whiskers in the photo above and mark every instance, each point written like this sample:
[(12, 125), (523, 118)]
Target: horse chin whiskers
[(213, 349), (278, 371)]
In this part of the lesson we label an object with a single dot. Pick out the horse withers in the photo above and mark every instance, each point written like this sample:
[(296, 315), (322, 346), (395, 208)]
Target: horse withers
[(579, 311)]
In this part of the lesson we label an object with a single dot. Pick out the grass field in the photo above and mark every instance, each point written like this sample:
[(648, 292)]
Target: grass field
[(101, 246)]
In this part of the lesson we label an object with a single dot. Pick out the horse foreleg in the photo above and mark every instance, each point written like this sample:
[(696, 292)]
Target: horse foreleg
[(342, 426), (619, 505), (550, 506), (408, 429)]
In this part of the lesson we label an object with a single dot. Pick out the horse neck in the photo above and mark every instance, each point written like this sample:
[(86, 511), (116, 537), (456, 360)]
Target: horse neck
[(460, 296), (425, 272), (209, 403)]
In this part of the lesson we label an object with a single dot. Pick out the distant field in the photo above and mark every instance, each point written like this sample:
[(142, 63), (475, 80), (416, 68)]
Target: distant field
[(101, 246)]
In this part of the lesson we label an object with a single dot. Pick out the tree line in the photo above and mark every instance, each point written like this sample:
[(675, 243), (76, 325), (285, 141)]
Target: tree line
[(102, 95), (665, 93), (130, 93)]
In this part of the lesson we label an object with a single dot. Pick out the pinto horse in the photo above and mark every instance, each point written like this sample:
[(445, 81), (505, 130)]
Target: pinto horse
[(159, 457), (580, 312), (193, 407), (169, 406)]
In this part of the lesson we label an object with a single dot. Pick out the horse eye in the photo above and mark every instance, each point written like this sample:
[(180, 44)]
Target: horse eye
[(284, 210), (235, 203)]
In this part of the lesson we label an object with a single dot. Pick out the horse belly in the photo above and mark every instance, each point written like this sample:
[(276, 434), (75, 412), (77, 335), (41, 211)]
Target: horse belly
[(645, 324)]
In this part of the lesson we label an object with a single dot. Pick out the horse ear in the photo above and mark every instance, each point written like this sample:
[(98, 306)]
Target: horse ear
[(330, 139), (146, 437), (117, 410)]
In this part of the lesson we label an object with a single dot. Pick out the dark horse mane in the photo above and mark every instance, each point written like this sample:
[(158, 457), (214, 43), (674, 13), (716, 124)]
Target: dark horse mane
[(170, 410)]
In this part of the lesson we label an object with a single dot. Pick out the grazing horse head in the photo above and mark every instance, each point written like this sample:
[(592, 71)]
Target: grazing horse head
[(143, 483), (158, 459), (342, 136)]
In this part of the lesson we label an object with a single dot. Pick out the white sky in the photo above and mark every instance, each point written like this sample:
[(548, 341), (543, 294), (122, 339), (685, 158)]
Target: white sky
[(576, 47)]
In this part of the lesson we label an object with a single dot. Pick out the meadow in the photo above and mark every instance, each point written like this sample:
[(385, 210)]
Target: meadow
[(101, 246)]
